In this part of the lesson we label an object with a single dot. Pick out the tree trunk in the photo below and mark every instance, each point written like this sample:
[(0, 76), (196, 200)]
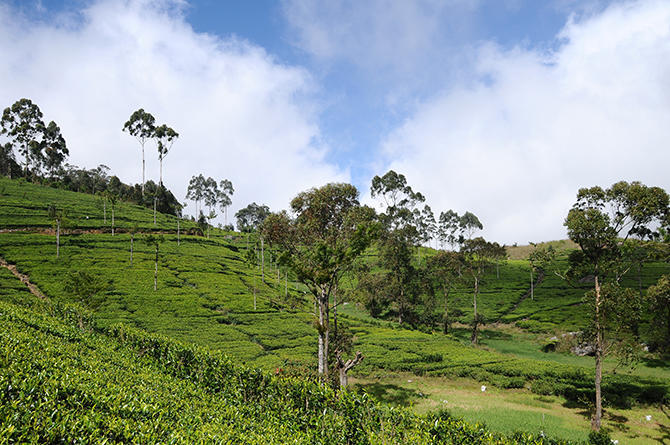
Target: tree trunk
[(156, 270), (595, 423), (262, 260), (104, 211), (132, 239), (142, 170), (475, 321), (344, 367), (112, 220), (323, 336), (254, 293), (57, 238), (160, 176), (335, 312), (446, 311), (532, 285)]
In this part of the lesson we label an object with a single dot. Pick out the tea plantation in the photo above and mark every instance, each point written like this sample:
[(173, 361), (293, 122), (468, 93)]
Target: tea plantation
[(151, 367)]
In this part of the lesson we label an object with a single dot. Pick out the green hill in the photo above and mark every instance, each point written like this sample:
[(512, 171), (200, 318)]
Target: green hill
[(210, 295)]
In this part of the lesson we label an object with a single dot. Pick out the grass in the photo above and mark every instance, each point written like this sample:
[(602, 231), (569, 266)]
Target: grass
[(510, 410)]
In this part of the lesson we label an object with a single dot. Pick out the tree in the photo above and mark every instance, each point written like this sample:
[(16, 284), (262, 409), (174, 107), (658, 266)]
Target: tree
[(478, 256), (155, 241), (55, 148), (443, 270), (85, 286), (57, 215), (599, 222), (196, 192), (468, 225), (165, 137), (226, 191), (400, 234), (141, 125), (250, 218), (448, 228), (329, 231), (22, 124), (658, 301)]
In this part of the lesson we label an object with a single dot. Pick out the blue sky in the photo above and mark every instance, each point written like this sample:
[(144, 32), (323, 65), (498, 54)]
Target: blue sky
[(500, 107)]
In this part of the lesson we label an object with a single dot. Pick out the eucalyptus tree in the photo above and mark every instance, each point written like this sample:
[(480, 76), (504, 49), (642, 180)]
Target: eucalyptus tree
[(54, 147), (141, 125), (328, 231), (251, 217), (478, 256), (400, 234), (165, 137), (154, 241), (36, 142), (442, 270), (196, 192), (57, 215), (448, 227), (225, 196), (600, 222)]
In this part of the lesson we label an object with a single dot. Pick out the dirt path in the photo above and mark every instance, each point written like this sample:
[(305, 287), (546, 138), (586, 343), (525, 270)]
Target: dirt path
[(24, 279), (524, 297)]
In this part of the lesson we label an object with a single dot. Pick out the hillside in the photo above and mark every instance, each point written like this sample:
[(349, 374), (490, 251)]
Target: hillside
[(210, 294)]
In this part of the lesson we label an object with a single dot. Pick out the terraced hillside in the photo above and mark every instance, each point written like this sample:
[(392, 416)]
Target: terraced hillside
[(210, 293)]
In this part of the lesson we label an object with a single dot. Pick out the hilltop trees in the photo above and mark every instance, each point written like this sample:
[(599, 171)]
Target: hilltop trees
[(39, 144), (226, 191), (251, 217), (141, 125), (329, 230), (165, 137), (599, 222)]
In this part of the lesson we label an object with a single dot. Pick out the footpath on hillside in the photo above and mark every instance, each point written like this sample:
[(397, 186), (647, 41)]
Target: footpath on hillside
[(24, 279)]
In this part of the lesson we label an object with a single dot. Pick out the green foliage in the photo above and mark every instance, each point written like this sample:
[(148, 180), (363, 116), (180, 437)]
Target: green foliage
[(61, 384)]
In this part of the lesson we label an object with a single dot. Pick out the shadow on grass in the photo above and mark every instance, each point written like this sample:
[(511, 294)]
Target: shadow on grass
[(389, 393), (464, 334), (656, 363)]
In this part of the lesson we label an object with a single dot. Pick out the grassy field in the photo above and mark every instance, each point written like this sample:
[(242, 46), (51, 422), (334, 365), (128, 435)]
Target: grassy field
[(515, 409), (209, 294)]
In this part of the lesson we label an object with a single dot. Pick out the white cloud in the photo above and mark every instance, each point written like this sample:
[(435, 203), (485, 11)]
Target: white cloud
[(385, 37), (241, 115), (515, 145)]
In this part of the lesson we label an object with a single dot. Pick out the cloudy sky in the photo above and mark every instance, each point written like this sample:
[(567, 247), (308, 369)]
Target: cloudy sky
[(500, 107)]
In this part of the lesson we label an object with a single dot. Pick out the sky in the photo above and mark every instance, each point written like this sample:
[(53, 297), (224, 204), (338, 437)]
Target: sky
[(504, 108)]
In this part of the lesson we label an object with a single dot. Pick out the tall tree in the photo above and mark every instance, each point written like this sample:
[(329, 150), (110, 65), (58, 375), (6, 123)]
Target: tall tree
[(141, 125), (448, 228), (251, 217), (599, 222), (55, 148), (468, 225), (443, 270), (196, 192), (57, 215), (22, 124), (478, 255), (658, 300), (226, 191), (165, 137), (155, 241), (400, 234), (329, 231)]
